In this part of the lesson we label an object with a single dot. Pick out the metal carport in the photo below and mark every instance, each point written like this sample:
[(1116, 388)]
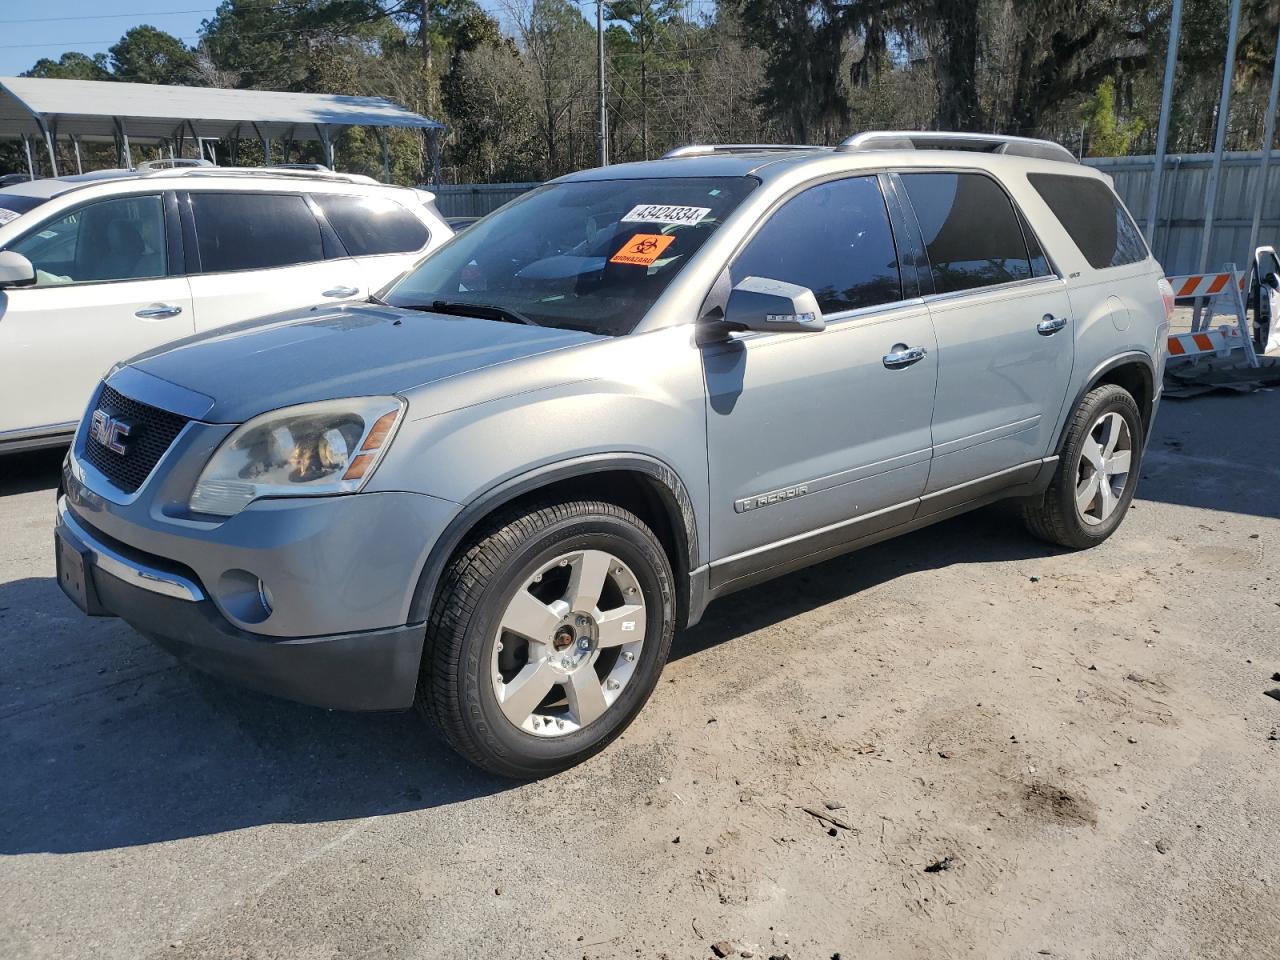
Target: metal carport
[(41, 110)]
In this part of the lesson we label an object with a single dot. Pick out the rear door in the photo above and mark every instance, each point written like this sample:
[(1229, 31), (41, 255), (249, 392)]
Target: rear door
[(106, 288), (256, 254), (1004, 329), (382, 235), (811, 436)]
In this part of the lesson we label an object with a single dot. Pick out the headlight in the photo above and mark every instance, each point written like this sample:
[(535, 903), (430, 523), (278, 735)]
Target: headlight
[(308, 450)]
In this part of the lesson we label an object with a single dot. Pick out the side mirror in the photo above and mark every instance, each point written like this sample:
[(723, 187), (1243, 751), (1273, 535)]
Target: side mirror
[(15, 270), (772, 306), (1272, 280)]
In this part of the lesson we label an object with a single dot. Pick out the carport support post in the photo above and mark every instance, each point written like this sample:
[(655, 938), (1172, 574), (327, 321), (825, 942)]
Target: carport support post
[(386, 153), (326, 144), (1211, 186), (26, 146), (266, 145), (433, 148), (46, 132), (122, 144), (1267, 136), (75, 145), (1162, 133)]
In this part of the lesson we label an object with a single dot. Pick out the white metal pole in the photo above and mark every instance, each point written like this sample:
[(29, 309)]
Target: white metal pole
[(1267, 136), (1162, 132), (1220, 137)]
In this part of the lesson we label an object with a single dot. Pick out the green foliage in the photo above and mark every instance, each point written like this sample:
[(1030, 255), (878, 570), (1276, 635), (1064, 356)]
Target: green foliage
[(72, 66), (1107, 136), (148, 55)]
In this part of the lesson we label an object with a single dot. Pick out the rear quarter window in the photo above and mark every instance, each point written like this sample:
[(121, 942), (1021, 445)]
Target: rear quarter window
[(371, 226), (1093, 217)]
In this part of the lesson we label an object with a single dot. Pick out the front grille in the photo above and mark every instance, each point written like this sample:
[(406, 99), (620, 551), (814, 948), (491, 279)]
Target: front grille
[(151, 432)]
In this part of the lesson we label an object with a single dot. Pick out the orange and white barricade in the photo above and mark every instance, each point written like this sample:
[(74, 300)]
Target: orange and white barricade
[(1208, 289)]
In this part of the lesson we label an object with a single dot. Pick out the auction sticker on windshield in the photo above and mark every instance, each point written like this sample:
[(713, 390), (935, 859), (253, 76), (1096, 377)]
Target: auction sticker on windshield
[(662, 213), (7, 215), (642, 249)]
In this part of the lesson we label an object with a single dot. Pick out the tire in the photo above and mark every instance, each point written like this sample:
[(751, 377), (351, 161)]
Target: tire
[(1056, 516), (505, 621)]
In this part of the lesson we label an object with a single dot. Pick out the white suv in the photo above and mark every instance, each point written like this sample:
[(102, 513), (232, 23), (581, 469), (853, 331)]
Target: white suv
[(100, 267)]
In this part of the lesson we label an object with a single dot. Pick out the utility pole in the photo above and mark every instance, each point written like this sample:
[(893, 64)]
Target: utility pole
[(602, 119), (1162, 133)]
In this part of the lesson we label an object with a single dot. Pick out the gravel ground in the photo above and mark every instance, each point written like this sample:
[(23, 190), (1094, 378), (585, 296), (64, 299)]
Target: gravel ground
[(958, 744)]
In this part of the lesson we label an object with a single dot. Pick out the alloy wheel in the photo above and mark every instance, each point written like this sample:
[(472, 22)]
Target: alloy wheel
[(567, 643), (1103, 470)]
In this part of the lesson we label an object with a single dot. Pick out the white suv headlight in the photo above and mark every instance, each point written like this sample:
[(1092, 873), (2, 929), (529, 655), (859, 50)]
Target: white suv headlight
[(309, 450)]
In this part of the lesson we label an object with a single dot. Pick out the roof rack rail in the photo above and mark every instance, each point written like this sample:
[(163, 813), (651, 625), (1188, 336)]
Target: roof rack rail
[(980, 142), (173, 163), (290, 172), (703, 149)]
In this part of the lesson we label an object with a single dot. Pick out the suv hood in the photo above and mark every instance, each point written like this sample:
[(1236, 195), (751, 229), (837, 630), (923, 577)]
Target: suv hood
[(349, 351)]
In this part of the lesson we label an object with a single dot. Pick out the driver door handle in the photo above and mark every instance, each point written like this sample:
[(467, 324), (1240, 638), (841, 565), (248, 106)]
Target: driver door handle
[(157, 311), (1050, 325), (340, 292), (903, 356)]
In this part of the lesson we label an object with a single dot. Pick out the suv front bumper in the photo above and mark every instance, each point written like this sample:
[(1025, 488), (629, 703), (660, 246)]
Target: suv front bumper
[(374, 670), (363, 670)]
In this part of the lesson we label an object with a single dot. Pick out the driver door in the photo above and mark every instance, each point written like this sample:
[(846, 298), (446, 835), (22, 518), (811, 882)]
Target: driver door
[(103, 293), (815, 439)]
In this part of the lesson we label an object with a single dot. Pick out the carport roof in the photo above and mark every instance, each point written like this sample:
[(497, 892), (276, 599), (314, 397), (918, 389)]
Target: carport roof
[(91, 108)]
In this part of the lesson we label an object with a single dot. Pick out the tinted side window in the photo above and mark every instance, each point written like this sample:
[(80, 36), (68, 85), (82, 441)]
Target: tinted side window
[(971, 231), (254, 231), (368, 226), (1093, 216), (121, 239), (834, 239)]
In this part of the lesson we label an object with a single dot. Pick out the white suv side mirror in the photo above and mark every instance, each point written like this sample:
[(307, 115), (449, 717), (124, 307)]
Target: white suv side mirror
[(15, 270)]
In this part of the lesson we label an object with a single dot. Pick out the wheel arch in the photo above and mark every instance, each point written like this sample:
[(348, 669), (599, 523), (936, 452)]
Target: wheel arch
[(1134, 371), (637, 482)]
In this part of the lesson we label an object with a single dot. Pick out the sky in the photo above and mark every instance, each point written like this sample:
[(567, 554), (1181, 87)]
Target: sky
[(31, 29)]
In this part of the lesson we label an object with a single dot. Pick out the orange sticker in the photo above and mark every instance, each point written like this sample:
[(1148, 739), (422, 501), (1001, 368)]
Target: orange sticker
[(643, 249)]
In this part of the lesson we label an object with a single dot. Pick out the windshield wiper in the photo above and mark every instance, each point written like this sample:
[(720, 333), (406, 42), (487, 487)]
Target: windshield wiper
[(484, 311)]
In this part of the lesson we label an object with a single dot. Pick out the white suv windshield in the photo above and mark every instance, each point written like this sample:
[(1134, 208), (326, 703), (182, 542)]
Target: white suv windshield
[(585, 255)]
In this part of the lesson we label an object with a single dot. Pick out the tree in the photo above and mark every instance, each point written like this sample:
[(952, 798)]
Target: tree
[(72, 66), (1107, 136), (647, 25), (148, 55)]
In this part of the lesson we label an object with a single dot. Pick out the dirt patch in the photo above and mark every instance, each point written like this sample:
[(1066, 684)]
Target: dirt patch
[(1055, 804)]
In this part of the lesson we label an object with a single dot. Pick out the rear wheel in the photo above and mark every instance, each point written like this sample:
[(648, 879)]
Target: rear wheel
[(1097, 472), (548, 636)]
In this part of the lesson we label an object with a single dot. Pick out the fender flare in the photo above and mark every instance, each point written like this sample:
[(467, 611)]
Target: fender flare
[(1091, 381), (666, 483)]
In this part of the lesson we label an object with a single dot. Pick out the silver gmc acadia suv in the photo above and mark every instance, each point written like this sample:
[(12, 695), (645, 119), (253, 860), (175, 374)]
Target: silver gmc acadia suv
[(497, 488)]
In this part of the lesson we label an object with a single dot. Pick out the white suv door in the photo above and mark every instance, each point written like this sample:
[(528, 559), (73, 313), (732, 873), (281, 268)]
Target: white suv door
[(259, 254), (105, 290)]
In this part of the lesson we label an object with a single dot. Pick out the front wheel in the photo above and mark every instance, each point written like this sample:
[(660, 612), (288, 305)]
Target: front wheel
[(1097, 472), (547, 637)]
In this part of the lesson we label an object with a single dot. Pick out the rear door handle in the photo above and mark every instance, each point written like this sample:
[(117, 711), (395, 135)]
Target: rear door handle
[(340, 292), (903, 356), (157, 311), (1050, 325)]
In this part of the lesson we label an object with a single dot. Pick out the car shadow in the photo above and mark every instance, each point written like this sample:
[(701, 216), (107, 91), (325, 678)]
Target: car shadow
[(993, 534), (107, 742), (30, 471)]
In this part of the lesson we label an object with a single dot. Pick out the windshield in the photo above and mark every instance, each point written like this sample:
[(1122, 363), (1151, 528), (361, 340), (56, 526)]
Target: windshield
[(585, 255), (13, 205)]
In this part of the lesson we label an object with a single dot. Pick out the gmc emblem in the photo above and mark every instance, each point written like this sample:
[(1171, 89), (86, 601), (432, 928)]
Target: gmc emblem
[(109, 431)]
